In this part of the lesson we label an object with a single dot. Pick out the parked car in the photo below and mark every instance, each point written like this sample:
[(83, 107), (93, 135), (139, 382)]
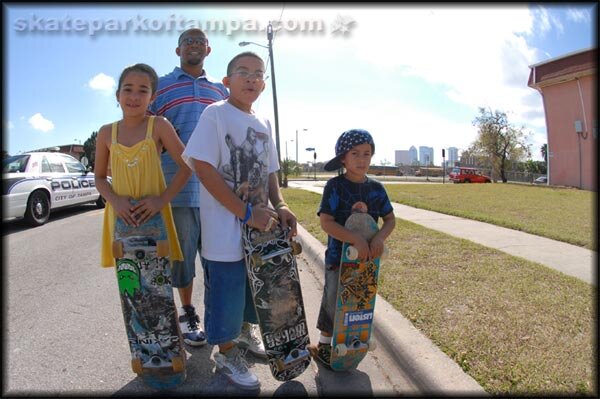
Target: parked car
[(461, 174), (541, 180), (36, 183)]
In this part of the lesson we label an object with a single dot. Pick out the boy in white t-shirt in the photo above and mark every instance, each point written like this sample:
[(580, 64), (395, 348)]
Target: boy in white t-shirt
[(232, 152)]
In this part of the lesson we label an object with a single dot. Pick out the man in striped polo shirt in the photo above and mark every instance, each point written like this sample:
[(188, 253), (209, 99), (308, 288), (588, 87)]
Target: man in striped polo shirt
[(182, 96)]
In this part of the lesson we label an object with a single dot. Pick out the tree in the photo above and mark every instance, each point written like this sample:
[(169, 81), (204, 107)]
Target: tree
[(89, 149), (499, 141), (544, 152)]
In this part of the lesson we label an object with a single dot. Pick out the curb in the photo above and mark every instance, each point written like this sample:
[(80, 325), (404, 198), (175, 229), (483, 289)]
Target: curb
[(431, 369)]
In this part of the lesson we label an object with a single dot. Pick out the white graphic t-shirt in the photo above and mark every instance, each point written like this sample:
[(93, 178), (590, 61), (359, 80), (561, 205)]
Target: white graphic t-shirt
[(241, 148)]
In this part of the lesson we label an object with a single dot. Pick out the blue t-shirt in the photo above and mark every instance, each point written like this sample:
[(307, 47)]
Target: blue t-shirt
[(181, 99), (339, 197)]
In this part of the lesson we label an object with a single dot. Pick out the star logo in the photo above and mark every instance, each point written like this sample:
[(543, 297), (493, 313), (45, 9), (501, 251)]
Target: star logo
[(342, 25)]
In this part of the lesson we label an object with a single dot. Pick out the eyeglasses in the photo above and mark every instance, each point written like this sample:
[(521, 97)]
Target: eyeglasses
[(188, 41), (250, 76)]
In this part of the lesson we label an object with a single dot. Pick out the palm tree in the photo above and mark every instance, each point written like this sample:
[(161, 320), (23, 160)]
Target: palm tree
[(544, 152)]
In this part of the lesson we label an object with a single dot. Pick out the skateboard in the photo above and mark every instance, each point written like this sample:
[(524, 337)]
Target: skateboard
[(275, 285), (146, 292), (355, 301)]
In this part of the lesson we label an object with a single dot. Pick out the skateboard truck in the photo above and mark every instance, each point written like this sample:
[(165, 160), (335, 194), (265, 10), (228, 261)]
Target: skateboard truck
[(295, 249)]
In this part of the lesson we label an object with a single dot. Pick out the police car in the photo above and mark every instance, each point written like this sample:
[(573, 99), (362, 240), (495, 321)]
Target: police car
[(35, 183)]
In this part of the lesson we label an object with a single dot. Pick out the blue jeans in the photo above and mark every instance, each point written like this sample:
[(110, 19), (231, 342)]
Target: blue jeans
[(227, 300), (187, 224), (329, 299)]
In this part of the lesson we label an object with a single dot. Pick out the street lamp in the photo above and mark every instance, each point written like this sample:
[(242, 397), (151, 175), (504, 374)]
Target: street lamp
[(270, 47)]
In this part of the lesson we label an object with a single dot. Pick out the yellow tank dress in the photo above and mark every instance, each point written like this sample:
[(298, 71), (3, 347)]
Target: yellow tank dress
[(136, 172)]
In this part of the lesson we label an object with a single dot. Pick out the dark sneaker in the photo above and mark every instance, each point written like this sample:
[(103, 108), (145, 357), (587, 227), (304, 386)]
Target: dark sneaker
[(321, 352), (189, 322)]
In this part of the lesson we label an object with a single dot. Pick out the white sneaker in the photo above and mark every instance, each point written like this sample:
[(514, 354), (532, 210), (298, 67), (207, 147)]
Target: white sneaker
[(233, 365), (251, 340)]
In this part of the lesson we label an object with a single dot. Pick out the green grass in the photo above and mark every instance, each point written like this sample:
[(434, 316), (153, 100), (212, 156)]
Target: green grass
[(517, 327), (563, 214)]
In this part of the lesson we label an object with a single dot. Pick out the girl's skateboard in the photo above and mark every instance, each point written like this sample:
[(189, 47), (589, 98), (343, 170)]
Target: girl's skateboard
[(275, 284), (146, 292), (355, 302)]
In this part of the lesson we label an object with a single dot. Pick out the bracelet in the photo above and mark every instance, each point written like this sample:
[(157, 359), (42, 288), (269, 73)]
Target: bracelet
[(248, 212), (281, 205)]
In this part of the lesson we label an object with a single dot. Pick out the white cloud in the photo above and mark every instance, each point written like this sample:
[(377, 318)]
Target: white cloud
[(578, 15), (38, 122), (102, 83)]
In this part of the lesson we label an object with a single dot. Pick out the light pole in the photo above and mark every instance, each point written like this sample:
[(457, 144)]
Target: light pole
[(270, 47)]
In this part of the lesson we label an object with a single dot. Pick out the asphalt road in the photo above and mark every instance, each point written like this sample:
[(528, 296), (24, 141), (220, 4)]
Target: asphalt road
[(64, 331)]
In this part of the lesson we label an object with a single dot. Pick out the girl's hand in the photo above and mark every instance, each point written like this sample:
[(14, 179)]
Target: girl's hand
[(146, 208), (123, 210)]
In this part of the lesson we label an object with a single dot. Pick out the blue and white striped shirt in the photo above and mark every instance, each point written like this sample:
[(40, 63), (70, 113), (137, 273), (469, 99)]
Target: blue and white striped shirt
[(181, 99)]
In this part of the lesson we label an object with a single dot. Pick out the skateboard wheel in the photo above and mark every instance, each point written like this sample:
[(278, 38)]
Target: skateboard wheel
[(372, 345), (178, 364), (136, 366), (351, 253), (162, 248), (296, 248), (258, 260), (117, 248), (341, 349)]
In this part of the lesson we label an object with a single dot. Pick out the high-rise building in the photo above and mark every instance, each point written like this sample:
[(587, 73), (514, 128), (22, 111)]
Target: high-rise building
[(426, 156), (414, 158), (452, 156), (402, 157)]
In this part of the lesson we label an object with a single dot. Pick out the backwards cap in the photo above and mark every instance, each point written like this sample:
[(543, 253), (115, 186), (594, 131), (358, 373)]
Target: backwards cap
[(345, 142)]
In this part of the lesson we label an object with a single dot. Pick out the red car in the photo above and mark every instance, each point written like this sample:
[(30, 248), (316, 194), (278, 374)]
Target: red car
[(468, 175)]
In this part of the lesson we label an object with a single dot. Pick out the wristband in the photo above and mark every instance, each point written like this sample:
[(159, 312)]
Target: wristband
[(248, 212), (281, 205)]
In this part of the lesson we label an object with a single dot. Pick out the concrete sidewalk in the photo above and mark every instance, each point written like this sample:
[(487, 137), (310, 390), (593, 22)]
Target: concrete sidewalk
[(566, 258)]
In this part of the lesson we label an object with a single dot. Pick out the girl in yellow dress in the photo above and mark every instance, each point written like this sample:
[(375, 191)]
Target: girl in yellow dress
[(132, 145)]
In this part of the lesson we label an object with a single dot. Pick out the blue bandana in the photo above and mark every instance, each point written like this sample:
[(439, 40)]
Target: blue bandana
[(349, 139)]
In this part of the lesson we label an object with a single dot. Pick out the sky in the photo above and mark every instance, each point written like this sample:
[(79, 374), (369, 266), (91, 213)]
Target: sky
[(410, 74)]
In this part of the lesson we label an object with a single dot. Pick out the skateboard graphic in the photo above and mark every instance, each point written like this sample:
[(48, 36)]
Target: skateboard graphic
[(355, 301), (144, 279), (275, 284)]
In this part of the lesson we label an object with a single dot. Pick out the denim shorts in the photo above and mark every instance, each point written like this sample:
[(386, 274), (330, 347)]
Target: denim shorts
[(227, 300), (328, 301), (187, 224)]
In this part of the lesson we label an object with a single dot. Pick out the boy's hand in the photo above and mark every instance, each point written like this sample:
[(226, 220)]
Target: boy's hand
[(376, 247), (362, 246), (263, 218), (287, 218)]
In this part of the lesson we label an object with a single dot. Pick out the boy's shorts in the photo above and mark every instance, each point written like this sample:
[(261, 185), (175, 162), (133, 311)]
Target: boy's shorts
[(328, 301), (227, 300), (187, 224)]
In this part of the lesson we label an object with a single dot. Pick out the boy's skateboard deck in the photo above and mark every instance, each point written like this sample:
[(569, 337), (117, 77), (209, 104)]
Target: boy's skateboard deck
[(355, 301), (275, 284), (146, 292)]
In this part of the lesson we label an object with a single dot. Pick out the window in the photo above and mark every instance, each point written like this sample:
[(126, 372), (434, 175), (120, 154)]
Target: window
[(56, 165)]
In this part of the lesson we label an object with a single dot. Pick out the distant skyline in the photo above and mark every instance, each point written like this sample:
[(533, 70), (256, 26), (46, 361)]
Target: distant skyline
[(405, 72)]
